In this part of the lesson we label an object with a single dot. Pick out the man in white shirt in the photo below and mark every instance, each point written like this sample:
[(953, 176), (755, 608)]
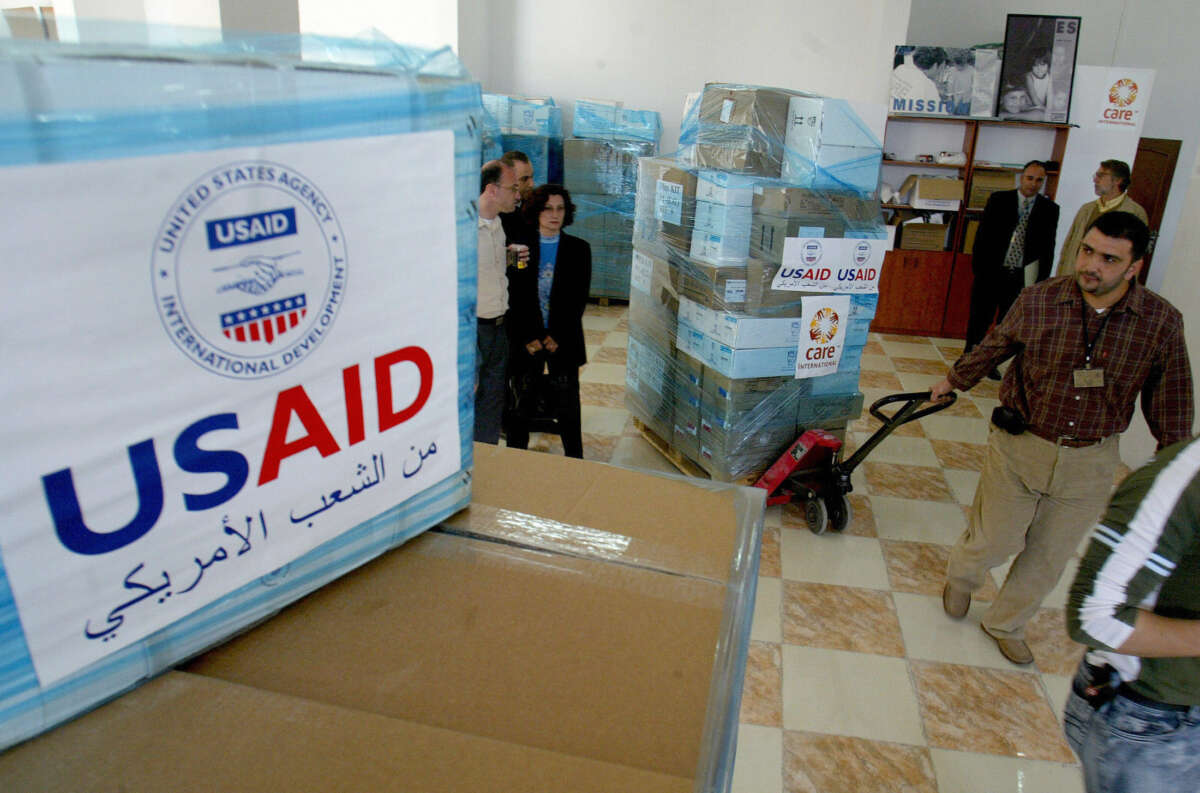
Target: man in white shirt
[(497, 193)]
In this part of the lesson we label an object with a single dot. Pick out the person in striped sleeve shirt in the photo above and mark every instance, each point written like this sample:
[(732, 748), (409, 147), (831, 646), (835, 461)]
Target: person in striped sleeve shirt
[(1133, 714), (1085, 347)]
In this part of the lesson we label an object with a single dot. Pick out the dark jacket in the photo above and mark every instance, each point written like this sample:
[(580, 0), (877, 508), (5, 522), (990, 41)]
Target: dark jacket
[(568, 298), (996, 228)]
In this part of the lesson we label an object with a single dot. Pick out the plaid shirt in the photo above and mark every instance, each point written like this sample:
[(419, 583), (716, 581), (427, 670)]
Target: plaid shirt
[(1141, 349)]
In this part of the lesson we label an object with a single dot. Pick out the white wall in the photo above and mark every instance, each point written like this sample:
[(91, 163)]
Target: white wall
[(1153, 34), (650, 55), (426, 24)]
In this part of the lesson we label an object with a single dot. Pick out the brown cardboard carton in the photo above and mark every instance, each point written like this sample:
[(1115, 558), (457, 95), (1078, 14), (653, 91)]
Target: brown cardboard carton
[(761, 298), (521, 648), (923, 236), (984, 183), (932, 192), (969, 236), (722, 288), (742, 129)]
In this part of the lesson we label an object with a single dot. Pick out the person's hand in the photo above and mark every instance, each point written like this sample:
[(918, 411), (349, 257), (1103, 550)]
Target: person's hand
[(550, 344), (941, 391), (533, 347), (522, 251)]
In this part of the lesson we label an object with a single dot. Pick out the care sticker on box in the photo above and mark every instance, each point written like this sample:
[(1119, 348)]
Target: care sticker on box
[(735, 291), (668, 202), (640, 274), (726, 111)]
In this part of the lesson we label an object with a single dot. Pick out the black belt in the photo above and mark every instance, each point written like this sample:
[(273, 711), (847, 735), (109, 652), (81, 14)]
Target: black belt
[(1065, 440), (490, 320), (1128, 693)]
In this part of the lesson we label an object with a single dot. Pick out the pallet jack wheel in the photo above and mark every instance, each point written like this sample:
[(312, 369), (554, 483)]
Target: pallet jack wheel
[(816, 515), (840, 512)]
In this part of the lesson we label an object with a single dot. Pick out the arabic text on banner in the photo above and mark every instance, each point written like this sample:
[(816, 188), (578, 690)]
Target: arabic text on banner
[(822, 335), (219, 361)]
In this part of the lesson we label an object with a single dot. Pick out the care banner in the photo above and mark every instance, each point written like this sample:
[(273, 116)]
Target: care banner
[(1109, 103), (822, 335), (825, 264), (214, 363)]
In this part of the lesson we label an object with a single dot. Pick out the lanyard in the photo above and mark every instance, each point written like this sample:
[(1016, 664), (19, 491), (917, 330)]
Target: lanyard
[(1089, 342)]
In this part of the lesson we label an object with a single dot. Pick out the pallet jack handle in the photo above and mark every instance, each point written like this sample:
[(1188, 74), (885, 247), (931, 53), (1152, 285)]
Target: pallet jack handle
[(890, 423)]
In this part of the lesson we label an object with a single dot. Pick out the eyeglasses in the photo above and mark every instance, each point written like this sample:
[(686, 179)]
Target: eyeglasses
[(512, 187)]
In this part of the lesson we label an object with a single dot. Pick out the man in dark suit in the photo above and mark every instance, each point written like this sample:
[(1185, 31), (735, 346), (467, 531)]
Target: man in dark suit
[(1014, 248)]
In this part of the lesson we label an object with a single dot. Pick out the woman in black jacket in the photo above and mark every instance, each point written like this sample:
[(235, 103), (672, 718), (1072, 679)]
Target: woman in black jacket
[(545, 315)]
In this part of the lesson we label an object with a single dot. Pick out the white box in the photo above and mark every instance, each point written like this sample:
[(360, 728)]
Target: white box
[(722, 187)]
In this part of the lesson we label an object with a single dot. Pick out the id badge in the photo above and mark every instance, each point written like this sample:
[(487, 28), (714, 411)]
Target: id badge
[(1089, 378)]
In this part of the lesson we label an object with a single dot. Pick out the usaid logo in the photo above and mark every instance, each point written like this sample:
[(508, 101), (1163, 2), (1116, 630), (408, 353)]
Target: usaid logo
[(249, 269), (810, 252), (862, 253)]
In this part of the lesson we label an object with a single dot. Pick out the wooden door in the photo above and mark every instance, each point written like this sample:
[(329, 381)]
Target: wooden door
[(1153, 170)]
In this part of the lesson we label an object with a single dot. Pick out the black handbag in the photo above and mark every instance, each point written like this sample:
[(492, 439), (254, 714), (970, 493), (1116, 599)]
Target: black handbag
[(537, 396)]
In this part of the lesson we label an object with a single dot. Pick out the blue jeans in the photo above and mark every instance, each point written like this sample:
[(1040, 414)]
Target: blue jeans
[(1128, 747)]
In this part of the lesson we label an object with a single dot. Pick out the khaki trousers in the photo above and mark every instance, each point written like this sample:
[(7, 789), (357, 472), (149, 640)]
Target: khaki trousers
[(1037, 500)]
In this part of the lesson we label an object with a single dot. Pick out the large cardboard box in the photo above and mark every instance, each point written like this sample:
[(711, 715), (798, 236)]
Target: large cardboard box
[(520, 648), (984, 183), (923, 236), (742, 129), (669, 194), (934, 193)]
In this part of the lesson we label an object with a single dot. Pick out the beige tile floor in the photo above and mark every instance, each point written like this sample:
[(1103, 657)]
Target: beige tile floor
[(856, 680)]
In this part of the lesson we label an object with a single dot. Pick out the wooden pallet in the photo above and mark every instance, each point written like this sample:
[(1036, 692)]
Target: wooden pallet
[(610, 301), (682, 461)]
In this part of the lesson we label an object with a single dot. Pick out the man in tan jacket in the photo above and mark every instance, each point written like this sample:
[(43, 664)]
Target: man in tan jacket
[(1110, 181)]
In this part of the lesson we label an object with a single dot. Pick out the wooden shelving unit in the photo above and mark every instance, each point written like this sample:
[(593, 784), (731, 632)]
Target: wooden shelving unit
[(927, 292)]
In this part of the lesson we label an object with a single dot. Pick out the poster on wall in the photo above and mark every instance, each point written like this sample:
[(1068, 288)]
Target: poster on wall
[(1038, 71), (933, 80)]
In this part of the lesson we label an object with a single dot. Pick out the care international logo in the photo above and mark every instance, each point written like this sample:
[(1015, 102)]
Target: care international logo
[(1118, 111), (824, 326), (249, 269), (1123, 92)]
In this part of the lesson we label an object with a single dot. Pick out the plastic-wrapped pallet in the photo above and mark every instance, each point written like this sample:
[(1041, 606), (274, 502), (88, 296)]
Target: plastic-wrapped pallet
[(532, 126), (757, 261), (203, 440), (601, 166)]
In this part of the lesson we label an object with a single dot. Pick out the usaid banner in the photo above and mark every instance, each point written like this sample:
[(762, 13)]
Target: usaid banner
[(822, 334), (823, 264), (218, 362)]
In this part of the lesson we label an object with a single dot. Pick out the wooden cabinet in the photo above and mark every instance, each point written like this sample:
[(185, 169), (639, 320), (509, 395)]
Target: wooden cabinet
[(912, 292), (928, 292)]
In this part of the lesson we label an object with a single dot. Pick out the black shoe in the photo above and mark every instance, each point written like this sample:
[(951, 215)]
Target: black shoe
[(994, 374)]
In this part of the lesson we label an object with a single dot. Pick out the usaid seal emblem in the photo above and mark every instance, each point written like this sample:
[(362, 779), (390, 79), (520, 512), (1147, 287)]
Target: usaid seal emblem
[(249, 269), (862, 253), (811, 252)]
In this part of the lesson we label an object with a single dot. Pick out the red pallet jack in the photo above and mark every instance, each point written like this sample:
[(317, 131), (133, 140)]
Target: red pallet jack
[(809, 472)]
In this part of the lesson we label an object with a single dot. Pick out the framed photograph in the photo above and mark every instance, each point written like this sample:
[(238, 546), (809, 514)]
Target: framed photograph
[(935, 81), (1038, 70)]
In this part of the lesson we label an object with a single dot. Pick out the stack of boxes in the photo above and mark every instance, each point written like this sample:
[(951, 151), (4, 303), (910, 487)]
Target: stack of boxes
[(600, 165), (713, 346), (532, 126)]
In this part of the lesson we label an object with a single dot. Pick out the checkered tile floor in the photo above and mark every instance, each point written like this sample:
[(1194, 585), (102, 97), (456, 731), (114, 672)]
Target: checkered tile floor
[(856, 680)]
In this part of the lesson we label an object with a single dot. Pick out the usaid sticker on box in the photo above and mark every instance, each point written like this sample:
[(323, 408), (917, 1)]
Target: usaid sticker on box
[(825, 317), (219, 361), (824, 264)]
